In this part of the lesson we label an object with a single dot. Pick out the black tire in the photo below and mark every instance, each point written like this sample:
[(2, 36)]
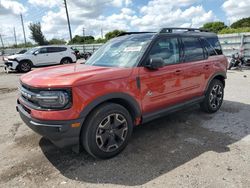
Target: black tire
[(213, 97), (107, 130), (230, 66), (66, 60), (24, 66)]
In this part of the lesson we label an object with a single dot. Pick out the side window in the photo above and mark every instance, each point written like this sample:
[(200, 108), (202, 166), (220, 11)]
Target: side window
[(62, 49), (193, 50), (167, 49), (208, 47), (53, 49), (43, 50), (216, 44)]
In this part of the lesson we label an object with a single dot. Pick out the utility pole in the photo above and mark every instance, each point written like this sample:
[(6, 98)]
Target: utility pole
[(83, 32), (67, 14), (15, 36), (101, 33), (24, 36), (2, 41)]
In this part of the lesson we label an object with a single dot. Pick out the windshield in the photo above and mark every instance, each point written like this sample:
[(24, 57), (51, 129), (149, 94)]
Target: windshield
[(121, 52), (32, 50)]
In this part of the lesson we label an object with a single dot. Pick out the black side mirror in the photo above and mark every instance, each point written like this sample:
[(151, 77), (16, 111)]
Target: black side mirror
[(36, 52), (155, 63)]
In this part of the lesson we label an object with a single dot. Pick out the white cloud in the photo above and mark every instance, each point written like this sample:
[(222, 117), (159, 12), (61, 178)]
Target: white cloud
[(93, 15), (236, 9), (10, 17), (90, 16), (11, 7), (46, 3), (172, 13)]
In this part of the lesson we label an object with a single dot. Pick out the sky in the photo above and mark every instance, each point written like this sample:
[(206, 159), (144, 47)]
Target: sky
[(107, 15)]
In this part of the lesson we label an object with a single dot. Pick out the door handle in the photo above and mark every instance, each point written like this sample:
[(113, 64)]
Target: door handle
[(178, 72)]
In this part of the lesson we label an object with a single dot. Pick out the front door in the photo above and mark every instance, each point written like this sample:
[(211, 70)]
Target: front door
[(41, 57), (163, 87)]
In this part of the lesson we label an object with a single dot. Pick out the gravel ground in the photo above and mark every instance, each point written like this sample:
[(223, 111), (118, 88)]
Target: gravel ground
[(186, 149)]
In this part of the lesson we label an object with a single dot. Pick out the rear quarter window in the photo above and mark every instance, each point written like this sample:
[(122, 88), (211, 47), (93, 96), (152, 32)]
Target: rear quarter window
[(214, 41)]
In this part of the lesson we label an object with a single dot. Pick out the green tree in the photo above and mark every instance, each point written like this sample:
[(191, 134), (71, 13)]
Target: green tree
[(232, 30), (244, 22), (82, 40), (100, 40), (57, 41), (36, 33), (214, 26), (113, 34), (22, 45)]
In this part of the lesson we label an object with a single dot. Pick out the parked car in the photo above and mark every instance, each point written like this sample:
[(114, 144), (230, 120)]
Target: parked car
[(129, 81), (40, 56), (22, 51)]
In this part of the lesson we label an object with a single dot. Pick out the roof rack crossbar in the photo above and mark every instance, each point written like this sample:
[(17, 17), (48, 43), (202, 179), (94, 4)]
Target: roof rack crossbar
[(131, 33), (170, 29)]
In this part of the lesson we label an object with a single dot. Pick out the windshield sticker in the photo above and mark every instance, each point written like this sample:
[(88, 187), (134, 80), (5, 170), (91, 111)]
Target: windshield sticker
[(133, 49)]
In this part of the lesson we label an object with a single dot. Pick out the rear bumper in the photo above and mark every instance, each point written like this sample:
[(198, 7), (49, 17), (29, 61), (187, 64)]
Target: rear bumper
[(60, 133)]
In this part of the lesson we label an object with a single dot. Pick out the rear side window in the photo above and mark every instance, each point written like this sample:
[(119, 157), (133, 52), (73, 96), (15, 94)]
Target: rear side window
[(193, 50), (56, 49), (214, 41), (61, 49)]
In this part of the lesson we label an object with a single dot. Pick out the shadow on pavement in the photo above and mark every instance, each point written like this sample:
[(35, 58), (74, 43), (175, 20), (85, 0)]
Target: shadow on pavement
[(155, 149)]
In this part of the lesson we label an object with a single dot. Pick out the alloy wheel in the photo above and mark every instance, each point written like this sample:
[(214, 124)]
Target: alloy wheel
[(25, 66), (216, 96), (111, 132)]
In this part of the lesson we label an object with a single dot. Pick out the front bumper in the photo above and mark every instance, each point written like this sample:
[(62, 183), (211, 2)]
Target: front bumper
[(11, 65), (60, 133)]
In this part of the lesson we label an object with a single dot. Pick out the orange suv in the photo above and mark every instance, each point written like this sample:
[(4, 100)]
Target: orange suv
[(130, 80)]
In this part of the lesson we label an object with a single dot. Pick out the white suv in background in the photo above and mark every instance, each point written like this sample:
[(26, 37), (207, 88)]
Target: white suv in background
[(40, 56)]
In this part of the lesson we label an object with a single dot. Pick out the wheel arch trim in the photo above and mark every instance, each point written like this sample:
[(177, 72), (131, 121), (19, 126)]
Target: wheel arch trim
[(115, 98), (218, 74)]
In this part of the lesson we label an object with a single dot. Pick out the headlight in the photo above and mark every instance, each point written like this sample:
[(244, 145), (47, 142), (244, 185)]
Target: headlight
[(53, 99)]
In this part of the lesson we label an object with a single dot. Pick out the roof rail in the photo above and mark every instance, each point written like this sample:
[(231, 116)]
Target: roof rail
[(170, 29), (131, 33)]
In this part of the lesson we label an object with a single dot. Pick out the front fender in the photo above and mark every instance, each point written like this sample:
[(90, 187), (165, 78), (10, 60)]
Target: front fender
[(112, 97)]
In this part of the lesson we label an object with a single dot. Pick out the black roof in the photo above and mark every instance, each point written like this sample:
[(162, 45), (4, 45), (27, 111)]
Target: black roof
[(177, 31)]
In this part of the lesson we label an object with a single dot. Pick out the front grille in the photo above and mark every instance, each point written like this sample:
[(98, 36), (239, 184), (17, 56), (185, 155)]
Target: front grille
[(8, 64), (28, 94)]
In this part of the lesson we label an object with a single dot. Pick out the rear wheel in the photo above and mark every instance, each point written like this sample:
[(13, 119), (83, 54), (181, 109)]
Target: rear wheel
[(214, 97), (66, 61), (24, 66), (107, 130)]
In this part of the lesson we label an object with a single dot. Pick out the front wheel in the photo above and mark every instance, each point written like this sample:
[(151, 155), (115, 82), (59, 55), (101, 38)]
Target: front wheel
[(24, 66), (107, 130), (213, 97)]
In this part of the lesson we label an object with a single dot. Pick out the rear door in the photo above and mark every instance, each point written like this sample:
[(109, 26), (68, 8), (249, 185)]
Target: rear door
[(193, 67), (54, 55)]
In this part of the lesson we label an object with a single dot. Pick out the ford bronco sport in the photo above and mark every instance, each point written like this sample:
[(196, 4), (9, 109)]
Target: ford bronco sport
[(130, 80)]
